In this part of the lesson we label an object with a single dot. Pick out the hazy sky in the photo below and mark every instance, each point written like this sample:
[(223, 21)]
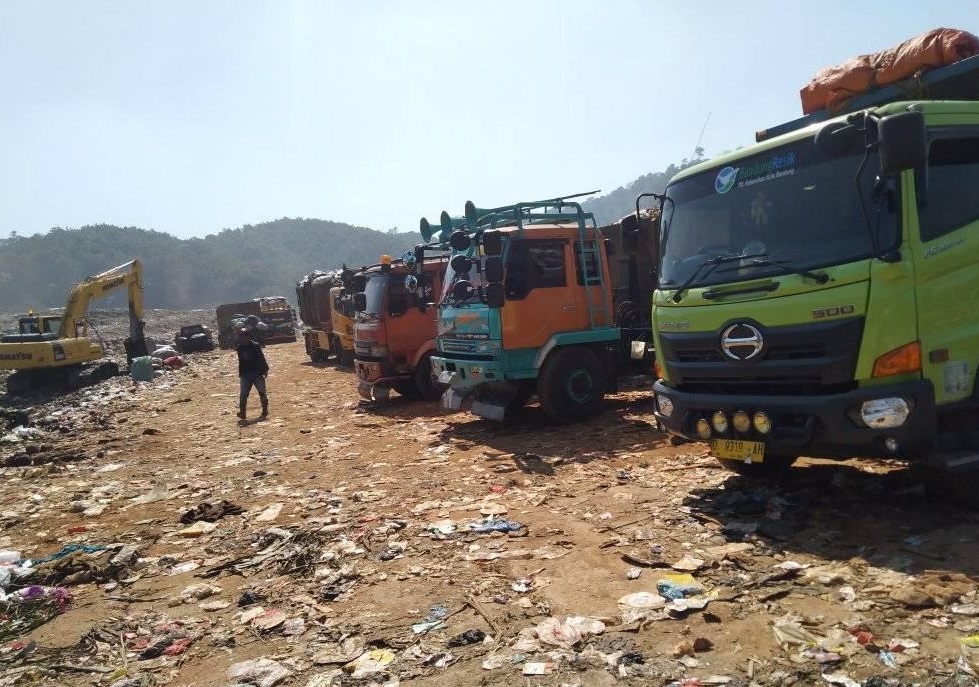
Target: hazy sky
[(189, 117)]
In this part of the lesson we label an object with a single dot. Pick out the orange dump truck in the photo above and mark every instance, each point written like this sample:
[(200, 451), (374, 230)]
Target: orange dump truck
[(394, 333)]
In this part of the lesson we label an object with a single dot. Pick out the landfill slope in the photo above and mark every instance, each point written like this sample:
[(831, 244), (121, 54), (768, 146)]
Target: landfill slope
[(344, 543)]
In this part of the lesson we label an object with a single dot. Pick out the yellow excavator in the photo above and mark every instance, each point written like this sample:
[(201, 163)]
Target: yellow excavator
[(56, 349)]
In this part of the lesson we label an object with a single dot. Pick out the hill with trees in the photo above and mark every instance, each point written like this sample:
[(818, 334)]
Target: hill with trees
[(622, 201), (233, 265)]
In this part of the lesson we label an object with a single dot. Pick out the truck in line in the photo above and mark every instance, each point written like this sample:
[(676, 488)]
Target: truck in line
[(394, 331), (816, 290), (274, 312), (537, 299), (320, 296)]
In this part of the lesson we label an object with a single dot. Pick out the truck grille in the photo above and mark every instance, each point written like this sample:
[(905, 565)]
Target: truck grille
[(817, 358), (457, 346)]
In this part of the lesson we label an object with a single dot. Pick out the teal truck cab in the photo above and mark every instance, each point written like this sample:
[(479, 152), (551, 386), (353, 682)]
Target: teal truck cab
[(527, 307)]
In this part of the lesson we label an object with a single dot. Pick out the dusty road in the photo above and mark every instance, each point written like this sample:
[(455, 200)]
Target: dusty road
[(342, 549)]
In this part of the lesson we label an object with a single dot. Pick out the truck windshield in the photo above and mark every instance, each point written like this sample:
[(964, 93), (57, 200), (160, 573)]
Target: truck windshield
[(377, 285), (784, 208)]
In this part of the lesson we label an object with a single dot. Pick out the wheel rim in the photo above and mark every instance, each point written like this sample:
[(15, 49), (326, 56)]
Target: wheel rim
[(579, 386)]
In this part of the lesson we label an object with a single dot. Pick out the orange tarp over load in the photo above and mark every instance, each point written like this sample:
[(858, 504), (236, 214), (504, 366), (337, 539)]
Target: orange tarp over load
[(833, 86)]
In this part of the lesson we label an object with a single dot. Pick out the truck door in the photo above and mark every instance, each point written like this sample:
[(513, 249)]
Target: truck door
[(945, 264), (540, 298)]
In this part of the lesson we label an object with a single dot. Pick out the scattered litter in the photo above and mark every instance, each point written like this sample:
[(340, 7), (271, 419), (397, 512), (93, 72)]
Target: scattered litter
[(261, 672)]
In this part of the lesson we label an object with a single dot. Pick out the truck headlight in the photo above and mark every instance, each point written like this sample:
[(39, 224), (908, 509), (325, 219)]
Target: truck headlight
[(882, 413), (665, 406)]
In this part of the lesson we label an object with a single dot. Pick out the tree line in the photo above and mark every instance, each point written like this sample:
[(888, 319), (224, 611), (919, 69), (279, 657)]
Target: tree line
[(233, 265)]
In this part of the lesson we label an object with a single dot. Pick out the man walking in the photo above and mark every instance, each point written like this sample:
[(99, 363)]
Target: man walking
[(252, 369)]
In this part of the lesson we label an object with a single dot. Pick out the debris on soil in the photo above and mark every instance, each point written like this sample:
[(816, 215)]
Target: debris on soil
[(148, 538)]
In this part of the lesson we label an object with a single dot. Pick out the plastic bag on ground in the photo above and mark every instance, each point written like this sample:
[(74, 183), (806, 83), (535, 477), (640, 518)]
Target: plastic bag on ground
[(262, 672)]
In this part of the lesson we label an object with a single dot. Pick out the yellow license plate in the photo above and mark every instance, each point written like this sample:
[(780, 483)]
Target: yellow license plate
[(736, 449)]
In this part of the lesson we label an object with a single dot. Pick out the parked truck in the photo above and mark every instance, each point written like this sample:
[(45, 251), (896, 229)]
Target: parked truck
[(394, 338), (276, 317), (816, 295), (537, 299), (317, 295)]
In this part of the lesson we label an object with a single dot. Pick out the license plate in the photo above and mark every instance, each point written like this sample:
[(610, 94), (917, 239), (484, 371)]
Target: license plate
[(736, 449)]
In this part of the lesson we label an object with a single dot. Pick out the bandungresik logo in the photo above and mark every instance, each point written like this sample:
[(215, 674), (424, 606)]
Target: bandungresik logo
[(726, 179)]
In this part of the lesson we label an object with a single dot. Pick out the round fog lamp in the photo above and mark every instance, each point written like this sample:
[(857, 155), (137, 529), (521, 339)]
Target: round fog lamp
[(741, 422), (762, 423), (665, 406), (719, 420), (891, 444), (703, 429), (882, 413)]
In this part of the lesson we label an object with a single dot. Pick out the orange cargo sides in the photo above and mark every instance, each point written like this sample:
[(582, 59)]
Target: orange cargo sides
[(833, 86)]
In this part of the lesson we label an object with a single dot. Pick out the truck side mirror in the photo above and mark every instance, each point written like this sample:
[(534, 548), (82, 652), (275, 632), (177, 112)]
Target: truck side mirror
[(903, 144), (494, 295), (360, 302), (492, 242), (493, 270), (460, 241), (358, 283), (397, 304)]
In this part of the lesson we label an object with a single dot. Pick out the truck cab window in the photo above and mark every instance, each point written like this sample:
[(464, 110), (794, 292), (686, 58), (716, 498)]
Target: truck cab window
[(953, 180), (398, 298), (534, 264)]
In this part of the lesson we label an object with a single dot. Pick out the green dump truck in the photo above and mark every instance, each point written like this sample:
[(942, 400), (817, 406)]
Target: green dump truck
[(817, 290)]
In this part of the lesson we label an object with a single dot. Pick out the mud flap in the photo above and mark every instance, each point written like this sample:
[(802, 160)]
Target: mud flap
[(452, 399), (951, 470), (490, 411), (373, 392), (364, 389)]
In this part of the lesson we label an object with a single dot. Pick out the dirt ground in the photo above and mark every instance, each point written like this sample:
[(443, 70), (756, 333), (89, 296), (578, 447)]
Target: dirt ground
[(351, 559)]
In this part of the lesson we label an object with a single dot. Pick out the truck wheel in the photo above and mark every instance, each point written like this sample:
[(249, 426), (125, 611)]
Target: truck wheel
[(773, 465), (571, 384), (426, 383)]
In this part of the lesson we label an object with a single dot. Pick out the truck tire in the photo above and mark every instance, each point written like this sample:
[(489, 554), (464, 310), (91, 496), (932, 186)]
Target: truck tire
[(772, 466), (571, 384), (425, 382)]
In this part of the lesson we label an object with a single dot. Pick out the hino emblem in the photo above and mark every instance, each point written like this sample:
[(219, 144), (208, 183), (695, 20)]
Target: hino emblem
[(741, 342)]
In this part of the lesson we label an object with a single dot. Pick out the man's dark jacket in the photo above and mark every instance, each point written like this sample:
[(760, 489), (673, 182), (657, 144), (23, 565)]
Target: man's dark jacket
[(251, 360)]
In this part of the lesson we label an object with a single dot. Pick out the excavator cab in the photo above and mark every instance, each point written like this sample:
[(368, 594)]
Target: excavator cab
[(35, 328)]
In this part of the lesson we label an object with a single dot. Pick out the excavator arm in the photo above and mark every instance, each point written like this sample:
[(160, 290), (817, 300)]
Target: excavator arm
[(130, 275)]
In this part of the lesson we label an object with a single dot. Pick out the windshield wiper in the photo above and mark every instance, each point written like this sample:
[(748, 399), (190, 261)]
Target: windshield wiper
[(784, 265), (711, 264)]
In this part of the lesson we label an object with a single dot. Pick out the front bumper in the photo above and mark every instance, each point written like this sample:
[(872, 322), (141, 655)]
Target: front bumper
[(817, 426), (465, 375), (375, 378)]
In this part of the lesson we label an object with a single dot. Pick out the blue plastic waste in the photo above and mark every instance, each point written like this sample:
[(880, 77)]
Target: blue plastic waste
[(486, 526), (671, 590)]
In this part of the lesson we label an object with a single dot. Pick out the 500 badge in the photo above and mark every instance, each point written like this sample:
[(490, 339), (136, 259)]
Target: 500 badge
[(834, 311)]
